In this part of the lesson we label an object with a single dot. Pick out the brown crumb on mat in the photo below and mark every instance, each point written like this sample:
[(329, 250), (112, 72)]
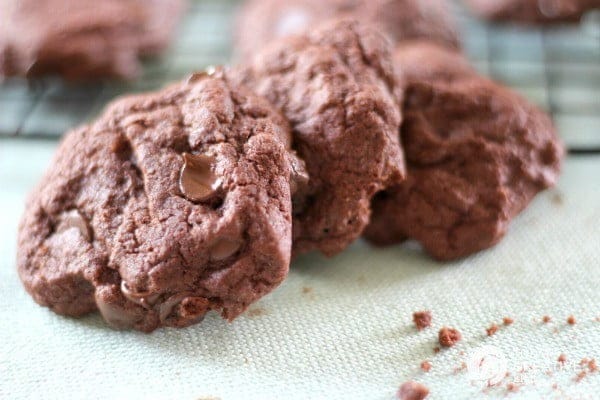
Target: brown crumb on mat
[(412, 391), (507, 321), (256, 312), (492, 330), (422, 319), (546, 319), (307, 290), (571, 320), (448, 337), (580, 376), (592, 365), (512, 387), (426, 366), (562, 358), (436, 349)]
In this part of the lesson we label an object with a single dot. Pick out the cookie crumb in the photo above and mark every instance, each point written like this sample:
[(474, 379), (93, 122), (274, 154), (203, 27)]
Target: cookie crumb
[(256, 312), (307, 290), (448, 337), (436, 349), (426, 366), (507, 321), (412, 391), (571, 320), (512, 387), (492, 330), (592, 365), (422, 319), (562, 358), (546, 319), (580, 376)]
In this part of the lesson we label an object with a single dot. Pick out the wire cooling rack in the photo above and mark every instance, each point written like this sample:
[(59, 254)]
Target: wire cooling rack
[(557, 68)]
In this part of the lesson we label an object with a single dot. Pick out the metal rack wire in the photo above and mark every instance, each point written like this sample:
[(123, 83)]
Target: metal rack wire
[(557, 68)]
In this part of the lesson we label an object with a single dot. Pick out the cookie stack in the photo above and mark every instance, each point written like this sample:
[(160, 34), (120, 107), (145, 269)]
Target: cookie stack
[(196, 198)]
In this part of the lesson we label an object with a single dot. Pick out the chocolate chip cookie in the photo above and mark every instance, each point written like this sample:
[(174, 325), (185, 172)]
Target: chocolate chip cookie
[(83, 39), (261, 21), (477, 153), (533, 11), (170, 205), (336, 86)]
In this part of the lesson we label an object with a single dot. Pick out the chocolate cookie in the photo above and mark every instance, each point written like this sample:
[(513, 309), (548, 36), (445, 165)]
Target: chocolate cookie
[(425, 61), (261, 21), (336, 86), (533, 11), (170, 205), (83, 39), (477, 154)]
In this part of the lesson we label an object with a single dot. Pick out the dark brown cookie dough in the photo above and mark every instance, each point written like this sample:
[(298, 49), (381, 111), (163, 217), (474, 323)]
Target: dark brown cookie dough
[(476, 155), (533, 11), (261, 21), (170, 205), (336, 86), (83, 39)]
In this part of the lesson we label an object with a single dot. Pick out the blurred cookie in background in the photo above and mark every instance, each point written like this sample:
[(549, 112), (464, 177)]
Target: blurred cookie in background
[(261, 21), (533, 11), (83, 39)]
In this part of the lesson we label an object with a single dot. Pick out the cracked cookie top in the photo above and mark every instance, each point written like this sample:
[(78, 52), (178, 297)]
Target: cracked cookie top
[(171, 204), (337, 88)]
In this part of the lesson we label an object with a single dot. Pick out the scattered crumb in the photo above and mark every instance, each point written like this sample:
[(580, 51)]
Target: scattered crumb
[(448, 337), (492, 330), (584, 361), (426, 366), (562, 358), (256, 312), (462, 353), (592, 365), (422, 319), (412, 391), (507, 321), (546, 319), (580, 376), (307, 290), (512, 387), (597, 319), (461, 367), (557, 199), (549, 373), (571, 320), (436, 349), (555, 386)]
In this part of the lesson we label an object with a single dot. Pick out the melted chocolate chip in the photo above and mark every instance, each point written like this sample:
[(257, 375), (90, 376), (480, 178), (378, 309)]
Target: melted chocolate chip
[(198, 76), (146, 299), (197, 180), (224, 248), (73, 219), (114, 315)]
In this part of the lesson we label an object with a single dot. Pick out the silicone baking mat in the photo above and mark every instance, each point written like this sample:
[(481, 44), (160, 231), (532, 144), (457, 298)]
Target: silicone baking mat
[(558, 68)]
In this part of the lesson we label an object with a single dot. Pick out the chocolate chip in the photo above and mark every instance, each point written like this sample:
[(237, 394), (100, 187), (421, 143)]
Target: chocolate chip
[(197, 180), (146, 299), (224, 248), (73, 219)]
